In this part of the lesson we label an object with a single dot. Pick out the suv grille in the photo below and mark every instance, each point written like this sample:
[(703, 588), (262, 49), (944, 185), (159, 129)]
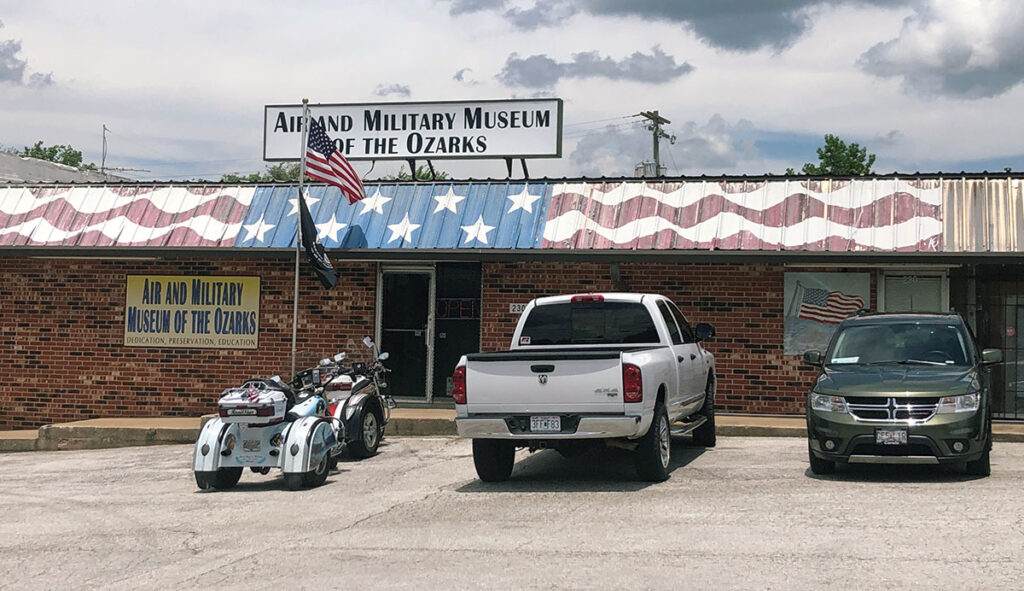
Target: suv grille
[(915, 409)]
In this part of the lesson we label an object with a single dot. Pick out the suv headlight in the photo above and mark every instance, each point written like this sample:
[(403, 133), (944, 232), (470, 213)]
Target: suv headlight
[(963, 403), (827, 403)]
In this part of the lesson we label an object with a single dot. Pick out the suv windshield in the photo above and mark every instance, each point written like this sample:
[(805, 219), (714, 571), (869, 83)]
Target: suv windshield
[(910, 342), (589, 323)]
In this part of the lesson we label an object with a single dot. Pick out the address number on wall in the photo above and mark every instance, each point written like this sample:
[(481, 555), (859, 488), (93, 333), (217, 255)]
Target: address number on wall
[(516, 308)]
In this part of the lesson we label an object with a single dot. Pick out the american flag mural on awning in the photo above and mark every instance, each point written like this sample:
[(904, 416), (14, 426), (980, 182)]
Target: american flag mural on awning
[(816, 216), (902, 214), (127, 216)]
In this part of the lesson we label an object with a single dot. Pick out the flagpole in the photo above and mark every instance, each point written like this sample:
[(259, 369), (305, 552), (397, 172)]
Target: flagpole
[(298, 232)]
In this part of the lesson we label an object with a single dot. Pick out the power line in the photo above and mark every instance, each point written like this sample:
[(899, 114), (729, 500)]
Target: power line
[(599, 120)]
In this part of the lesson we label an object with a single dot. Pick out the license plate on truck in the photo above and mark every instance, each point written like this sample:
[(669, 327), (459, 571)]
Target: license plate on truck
[(550, 424), (891, 436)]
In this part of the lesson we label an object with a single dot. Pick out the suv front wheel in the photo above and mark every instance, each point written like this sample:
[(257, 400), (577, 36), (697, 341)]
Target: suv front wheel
[(818, 465)]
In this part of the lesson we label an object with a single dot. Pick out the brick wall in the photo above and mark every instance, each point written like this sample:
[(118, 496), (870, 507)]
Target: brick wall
[(62, 329), (744, 302)]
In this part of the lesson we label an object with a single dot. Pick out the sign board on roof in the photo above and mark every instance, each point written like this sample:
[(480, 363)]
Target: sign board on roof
[(427, 131)]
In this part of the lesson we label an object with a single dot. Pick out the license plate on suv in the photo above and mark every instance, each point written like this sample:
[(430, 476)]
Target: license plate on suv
[(546, 424), (891, 436)]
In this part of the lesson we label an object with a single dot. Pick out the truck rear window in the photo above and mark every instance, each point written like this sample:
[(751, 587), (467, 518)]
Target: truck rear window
[(589, 323)]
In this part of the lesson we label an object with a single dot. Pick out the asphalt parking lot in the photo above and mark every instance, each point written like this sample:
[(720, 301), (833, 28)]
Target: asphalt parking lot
[(746, 514)]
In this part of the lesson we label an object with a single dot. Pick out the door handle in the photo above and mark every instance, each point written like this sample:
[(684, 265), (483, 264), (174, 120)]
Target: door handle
[(692, 356)]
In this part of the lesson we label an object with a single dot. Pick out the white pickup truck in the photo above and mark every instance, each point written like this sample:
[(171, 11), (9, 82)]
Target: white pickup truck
[(618, 368)]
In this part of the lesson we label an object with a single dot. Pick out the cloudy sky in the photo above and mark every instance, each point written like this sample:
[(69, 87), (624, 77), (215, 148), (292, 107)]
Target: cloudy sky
[(750, 86)]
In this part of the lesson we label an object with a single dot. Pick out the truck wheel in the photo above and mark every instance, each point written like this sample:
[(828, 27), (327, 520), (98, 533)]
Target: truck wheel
[(818, 465), (367, 435), (654, 452), (493, 459), (318, 475), (203, 480), (704, 435)]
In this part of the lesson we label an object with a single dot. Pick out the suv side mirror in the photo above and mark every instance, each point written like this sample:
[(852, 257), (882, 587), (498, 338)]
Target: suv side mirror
[(704, 331), (813, 357), (989, 356)]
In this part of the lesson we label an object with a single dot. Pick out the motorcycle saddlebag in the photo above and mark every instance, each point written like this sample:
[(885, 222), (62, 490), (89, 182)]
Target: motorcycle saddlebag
[(254, 404)]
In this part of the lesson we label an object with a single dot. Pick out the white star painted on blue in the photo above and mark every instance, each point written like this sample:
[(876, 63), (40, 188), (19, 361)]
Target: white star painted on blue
[(294, 203), (523, 200), (448, 201), (403, 229), (374, 203), (330, 229), (477, 231), (257, 229)]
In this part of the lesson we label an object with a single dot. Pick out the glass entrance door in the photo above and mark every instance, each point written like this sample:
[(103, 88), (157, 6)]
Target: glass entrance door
[(406, 326)]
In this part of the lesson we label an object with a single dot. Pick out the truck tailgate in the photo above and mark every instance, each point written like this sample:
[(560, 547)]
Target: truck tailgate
[(544, 382)]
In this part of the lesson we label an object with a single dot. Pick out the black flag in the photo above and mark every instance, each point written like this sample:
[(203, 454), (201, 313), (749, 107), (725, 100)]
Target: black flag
[(314, 250)]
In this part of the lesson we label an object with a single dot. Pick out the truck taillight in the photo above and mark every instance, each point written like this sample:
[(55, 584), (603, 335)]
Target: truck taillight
[(587, 298), (459, 381), (632, 383)]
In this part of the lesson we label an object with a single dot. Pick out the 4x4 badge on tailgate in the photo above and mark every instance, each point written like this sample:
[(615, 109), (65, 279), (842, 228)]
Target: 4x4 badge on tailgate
[(543, 378)]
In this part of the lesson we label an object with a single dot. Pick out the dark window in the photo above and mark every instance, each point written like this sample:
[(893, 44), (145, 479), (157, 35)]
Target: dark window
[(684, 326), (673, 330), (910, 342), (589, 323)]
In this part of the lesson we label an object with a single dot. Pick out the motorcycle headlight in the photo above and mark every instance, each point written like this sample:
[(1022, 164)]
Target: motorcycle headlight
[(827, 402), (964, 403)]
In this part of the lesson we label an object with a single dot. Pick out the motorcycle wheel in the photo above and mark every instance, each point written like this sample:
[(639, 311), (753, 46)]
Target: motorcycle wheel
[(318, 475), (367, 436), (221, 479), (293, 480)]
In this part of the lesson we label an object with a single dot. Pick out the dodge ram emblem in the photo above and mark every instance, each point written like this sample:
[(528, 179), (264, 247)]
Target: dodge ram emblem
[(543, 378)]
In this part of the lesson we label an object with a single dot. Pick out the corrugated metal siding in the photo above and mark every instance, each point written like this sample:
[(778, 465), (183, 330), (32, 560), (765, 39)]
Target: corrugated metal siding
[(838, 215), (128, 216), (984, 215)]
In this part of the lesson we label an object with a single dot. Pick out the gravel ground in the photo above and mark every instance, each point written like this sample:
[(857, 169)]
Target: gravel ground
[(746, 514)]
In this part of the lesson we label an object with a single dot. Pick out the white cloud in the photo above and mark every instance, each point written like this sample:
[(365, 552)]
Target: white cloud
[(956, 48)]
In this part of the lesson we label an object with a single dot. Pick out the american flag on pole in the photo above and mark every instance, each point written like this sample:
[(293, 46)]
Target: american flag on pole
[(827, 306), (325, 163)]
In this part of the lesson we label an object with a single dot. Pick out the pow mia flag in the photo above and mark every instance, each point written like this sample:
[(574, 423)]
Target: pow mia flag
[(314, 250)]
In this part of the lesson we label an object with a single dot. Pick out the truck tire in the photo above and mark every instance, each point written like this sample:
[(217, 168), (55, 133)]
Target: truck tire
[(818, 465), (654, 453), (704, 435), (493, 459)]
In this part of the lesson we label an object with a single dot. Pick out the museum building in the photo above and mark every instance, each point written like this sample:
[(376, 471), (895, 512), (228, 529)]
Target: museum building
[(148, 299)]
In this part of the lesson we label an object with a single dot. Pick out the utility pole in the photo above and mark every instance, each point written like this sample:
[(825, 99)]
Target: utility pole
[(103, 159), (654, 125)]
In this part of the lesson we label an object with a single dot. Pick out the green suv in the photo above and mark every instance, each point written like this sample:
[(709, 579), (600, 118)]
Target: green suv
[(901, 389)]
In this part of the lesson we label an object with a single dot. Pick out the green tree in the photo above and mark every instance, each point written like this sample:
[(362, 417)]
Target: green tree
[(837, 158), (422, 174), (277, 173), (57, 153)]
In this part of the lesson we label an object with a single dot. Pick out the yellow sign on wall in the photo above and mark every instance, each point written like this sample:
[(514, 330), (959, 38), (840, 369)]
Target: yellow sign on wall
[(186, 311)]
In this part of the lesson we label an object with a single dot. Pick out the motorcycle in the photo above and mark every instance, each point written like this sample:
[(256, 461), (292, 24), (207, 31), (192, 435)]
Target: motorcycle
[(360, 399), (267, 423)]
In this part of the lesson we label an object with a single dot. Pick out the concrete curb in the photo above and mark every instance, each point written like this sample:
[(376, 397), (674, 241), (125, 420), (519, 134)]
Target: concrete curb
[(112, 433)]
